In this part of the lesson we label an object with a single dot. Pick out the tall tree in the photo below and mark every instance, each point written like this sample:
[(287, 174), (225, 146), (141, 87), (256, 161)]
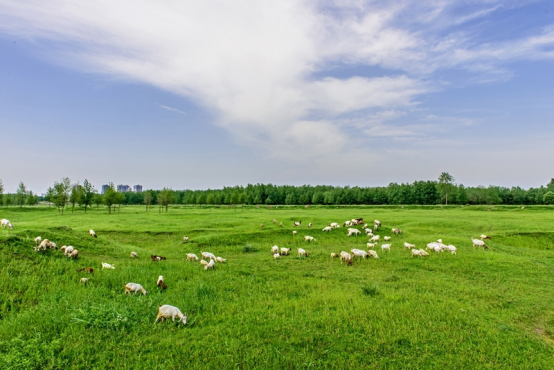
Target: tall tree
[(1, 192), (446, 183), (87, 194), (110, 197), (21, 195), (74, 196), (8, 199), (165, 198), (61, 193), (98, 199), (32, 199), (147, 199)]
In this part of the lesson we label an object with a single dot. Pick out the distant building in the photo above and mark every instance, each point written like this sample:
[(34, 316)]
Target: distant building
[(123, 188), (104, 188), (137, 188)]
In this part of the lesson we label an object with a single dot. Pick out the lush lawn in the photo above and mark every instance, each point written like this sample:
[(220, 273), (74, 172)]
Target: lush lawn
[(478, 309)]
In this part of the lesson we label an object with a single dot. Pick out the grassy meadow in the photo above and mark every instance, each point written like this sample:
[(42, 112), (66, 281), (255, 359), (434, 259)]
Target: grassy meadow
[(476, 309)]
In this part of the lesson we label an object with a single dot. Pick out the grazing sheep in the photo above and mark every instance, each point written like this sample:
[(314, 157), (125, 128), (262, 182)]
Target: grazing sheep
[(334, 225), (160, 282), (185, 239), (294, 232), (327, 229), (274, 221), (408, 245), (132, 287), (310, 225), (373, 253), (38, 239), (166, 311), (156, 258), (439, 241), (261, 226), (419, 253), (6, 223), (74, 254), (359, 253), (432, 246), (368, 232), (345, 256), (67, 250), (334, 255), (274, 249), (354, 232), (483, 237), (192, 257), (347, 223), (84, 280), (107, 266), (371, 245), (276, 255), (220, 260), (385, 247), (309, 239), (87, 269), (375, 227), (387, 238), (46, 244), (396, 231), (281, 224), (375, 238), (451, 249), (207, 255), (479, 243), (302, 252), (210, 265), (92, 233), (134, 255), (377, 223), (297, 223), (365, 226), (204, 263), (285, 251)]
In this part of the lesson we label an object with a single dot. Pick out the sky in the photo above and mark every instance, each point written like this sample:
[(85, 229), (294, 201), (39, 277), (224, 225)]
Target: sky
[(206, 94)]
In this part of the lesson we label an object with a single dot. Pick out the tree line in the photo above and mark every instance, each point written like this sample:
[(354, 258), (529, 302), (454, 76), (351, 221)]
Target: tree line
[(443, 191)]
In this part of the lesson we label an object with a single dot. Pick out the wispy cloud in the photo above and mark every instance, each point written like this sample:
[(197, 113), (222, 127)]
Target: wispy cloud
[(171, 109)]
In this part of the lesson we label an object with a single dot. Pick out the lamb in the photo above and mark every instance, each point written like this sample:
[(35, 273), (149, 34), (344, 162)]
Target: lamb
[(310, 224), (359, 253), (408, 245), (347, 223), (68, 250), (432, 246), (281, 224), (294, 232), (297, 223), (327, 229), (207, 255), (368, 232), (274, 249), (451, 249), (132, 287), (166, 311), (483, 237), (160, 282), (309, 239), (276, 255), (334, 225), (354, 221), (134, 255), (274, 221), (374, 238), (210, 265), (285, 251), (387, 238), (6, 223), (373, 253), (46, 244), (84, 280), (371, 245), (87, 269), (38, 239), (74, 254), (396, 231), (375, 227), (302, 252), (220, 260), (479, 243), (92, 233), (107, 266), (334, 255), (386, 247), (344, 256), (377, 223), (185, 239), (354, 232), (204, 263), (419, 253), (192, 257)]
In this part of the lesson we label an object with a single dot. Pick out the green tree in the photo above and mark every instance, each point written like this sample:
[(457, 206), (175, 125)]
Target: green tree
[(60, 194), (119, 198), (147, 199), (74, 196), (98, 199), (8, 199), (234, 198), (210, 198), (110, 197), (165, 198), (548, 198), (21, 194), (32, 199), (1, 192), (87, 195), (446, 183)]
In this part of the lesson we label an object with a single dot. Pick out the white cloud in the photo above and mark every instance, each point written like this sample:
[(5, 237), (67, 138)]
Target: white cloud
[(171, 109)]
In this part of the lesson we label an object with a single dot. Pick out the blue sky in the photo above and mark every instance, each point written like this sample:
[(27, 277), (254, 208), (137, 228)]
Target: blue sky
[(213, 93)]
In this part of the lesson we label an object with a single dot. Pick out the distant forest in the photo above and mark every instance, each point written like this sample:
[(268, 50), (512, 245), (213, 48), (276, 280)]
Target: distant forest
[(442, 191)]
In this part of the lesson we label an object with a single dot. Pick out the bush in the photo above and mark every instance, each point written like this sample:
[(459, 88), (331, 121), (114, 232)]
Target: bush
[(548, 198)]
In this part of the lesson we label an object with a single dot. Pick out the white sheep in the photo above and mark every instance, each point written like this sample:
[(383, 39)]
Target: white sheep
[(38, 239), (294, 232), (408, 245), (134, 255), (373, 253), (274, 249), (6, 223), (386, 238), (132, 287), (281, 224), (192, 257), (359, 253), (84, 280), (375, 238), (92, 233), (419, 253), (276, 255), (170, 312), (74, 254), (483, 237), (375, 227), (327, 229), (479, 243), (385, 247), (274, 221), (377, 223), (297, 223), (345, 256), (334, 225), (354, 232), (107, 266), (302, 253), (451, 249), (368, 232), (347, 223), (204, 263), (285, 251), (220, 260), (210, 265), (185, 239), (371, 245), (160, 281), (68, 250), (208, 255), (310, 224), (309, 239), (334, 255)]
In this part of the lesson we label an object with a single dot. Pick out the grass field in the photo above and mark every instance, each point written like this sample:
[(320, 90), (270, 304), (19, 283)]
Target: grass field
[(478, 309)]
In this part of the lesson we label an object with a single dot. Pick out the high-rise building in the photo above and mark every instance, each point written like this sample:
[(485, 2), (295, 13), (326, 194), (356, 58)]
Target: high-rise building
[(104, 188), (123, 188), (137, 188)]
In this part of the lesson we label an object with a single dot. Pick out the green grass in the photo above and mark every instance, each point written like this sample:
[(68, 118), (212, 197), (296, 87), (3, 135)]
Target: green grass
[(478, 309)]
